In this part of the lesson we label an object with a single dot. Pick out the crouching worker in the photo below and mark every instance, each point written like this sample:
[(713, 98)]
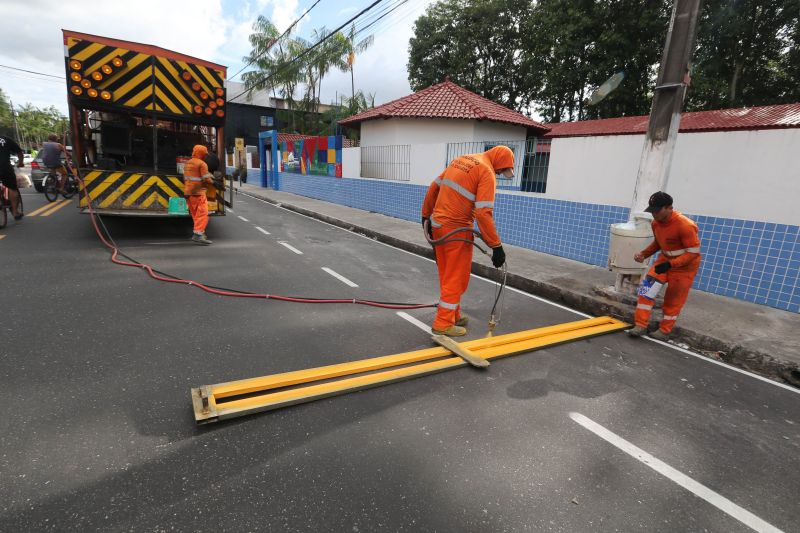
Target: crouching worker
[(196, 178), (676, 237), (463, 193)]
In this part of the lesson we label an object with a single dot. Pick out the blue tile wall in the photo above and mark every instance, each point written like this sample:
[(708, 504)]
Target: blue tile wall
[(754, 261)]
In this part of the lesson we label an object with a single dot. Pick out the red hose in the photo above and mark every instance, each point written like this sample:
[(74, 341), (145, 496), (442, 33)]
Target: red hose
[(220, 292)]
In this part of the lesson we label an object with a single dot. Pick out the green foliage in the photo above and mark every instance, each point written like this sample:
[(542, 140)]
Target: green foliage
[(551, 55), (33, 124)]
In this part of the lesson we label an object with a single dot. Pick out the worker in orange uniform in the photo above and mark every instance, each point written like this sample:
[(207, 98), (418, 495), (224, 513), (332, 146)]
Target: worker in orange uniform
[(196, 178), (463, 193), (676, 237)]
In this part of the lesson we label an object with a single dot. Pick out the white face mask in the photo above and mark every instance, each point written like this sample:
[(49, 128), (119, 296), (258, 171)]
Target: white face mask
[(507, 174)]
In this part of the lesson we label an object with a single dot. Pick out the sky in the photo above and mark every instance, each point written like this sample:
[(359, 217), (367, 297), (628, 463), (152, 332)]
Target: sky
[(215, 30)]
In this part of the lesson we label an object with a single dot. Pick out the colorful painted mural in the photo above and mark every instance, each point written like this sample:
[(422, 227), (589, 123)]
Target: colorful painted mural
[(321, 156)]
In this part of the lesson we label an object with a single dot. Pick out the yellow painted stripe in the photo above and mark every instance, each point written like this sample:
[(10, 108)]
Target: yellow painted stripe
[(110, 180), (199, 80), (174, 91), (88, 52), (136, 80), (144, 93), (127, 184), (44, 208), (105, 59), (152, 180), (132, 64), (150, 199), (91, 176), (311, 392), (177, 76), (178, 182), (56, 208), (223, 390)]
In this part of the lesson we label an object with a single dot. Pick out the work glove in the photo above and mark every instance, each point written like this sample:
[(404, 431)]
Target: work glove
[(663, 267), (498, 256), (430, 226)]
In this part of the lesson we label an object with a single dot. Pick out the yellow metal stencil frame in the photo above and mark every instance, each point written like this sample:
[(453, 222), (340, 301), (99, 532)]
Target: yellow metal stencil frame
[(238, 398)]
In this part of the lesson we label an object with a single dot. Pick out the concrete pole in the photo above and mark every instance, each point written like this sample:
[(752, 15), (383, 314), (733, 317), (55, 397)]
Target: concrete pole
[(665, 114)]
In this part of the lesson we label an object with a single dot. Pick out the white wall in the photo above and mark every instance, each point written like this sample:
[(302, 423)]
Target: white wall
[(427, 162), (351, 162), (751, 175), (496, 131)]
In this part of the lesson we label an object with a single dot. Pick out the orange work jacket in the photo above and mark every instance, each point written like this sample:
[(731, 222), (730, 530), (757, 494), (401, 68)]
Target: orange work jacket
[(678, 240), (465, 192), (195, 173)]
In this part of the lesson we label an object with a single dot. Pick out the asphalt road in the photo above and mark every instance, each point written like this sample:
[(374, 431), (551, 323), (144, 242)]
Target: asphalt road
[(97, 433)]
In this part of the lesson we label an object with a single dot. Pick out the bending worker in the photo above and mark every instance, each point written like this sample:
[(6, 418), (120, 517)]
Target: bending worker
[(463, 193), (676, 266), (196, 178)]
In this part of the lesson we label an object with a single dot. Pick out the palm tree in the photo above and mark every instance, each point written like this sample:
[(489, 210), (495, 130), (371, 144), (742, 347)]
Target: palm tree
[(330, 54), (351, 48)]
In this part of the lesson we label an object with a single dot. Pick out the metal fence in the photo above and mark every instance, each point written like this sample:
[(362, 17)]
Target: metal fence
[(386, 162), (531, 156)]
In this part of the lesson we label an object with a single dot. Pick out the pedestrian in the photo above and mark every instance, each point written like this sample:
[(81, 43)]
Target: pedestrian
[(9, 147), (461, 194), (34, 151), (676, 236), (195, 179)]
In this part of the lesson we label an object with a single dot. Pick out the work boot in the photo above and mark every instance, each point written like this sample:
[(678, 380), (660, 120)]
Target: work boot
[(659, 335), (463, 321), (637, 331), (200, 238), (452, 331)]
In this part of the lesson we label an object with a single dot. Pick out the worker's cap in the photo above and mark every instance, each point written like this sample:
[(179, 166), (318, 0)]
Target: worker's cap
[(657, 201)]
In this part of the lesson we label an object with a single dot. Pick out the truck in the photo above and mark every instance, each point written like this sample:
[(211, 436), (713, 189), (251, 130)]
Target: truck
[(136, 111)]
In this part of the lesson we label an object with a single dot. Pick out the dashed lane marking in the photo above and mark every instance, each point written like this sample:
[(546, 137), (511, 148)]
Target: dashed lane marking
[(242, 218), (289, 246), (262, 230), (717, 500), (421, 325), (339, 277)]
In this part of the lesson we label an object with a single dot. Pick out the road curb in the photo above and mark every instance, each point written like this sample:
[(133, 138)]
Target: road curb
[(587, 302)]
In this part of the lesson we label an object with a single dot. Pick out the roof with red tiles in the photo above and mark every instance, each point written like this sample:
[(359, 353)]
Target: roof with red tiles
[(444, 100), (745, 118)]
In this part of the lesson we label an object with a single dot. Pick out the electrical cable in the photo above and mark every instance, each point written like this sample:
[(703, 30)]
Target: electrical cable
[(107, 240)]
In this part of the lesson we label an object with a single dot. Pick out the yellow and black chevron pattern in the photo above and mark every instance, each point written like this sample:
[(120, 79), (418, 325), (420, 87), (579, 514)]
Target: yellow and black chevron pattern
[(126, 190), (143, 82)]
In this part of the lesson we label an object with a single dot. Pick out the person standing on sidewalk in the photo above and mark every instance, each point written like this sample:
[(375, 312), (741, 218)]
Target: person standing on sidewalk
[(676, 236), (463, 193), (195, 179)]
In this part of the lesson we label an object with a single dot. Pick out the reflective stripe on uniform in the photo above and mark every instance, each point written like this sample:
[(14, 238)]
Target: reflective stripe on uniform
[(670, 317), (459, 189), (190, 178), (676, 253), (438, 181), (435, 224), (484, 204), (446, 305), (644, 306)]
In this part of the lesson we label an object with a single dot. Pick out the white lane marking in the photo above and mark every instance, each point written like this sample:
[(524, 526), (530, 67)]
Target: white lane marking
[(339, 277), (242, 218), (262, 230), (720, 502), (725, 365), (421, 325), (539, 298), (289, 246), (229, 209)]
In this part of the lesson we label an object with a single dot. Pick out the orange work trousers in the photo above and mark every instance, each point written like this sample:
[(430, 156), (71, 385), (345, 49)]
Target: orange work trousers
[(198, 208), (454, 260), (678, 285)]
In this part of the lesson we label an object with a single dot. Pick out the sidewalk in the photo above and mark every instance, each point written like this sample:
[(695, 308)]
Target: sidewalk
[(754, 337)]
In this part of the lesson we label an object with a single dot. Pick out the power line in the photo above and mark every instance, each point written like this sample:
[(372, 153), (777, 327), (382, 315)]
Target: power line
[(33, 72), (276, 40), (308, 50)]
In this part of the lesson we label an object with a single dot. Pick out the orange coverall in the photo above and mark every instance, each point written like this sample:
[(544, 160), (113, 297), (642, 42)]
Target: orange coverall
[(195, 179), (679, 243), (461, 194)]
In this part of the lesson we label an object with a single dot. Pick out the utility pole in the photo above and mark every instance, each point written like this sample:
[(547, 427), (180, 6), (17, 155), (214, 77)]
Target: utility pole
[(665, 114)]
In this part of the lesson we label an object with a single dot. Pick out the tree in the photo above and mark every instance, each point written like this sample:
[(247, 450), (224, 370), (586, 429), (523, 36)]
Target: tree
[(350, 48), (747, 54), (6, 120), (477, 44)]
